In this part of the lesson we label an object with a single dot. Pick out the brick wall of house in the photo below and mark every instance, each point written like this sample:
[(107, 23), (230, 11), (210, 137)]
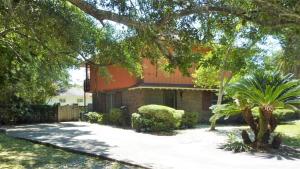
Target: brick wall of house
[(154, 96), (191, 101), (133, 99), (188, 100)]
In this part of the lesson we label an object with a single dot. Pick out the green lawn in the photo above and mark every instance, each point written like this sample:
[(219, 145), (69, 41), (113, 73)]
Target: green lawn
[(291, 133), (15, 154)]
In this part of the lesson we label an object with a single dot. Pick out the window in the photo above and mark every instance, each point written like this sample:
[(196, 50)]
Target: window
[(170, 98), (79, 100), (113, 100), (208, 99), (62, 100)]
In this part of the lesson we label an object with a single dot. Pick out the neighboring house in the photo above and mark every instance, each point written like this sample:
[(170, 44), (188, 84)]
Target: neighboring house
[(74, 95), (156, 87)]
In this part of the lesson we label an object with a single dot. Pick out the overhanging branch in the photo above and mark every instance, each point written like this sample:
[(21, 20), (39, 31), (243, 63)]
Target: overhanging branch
[(106, 15)]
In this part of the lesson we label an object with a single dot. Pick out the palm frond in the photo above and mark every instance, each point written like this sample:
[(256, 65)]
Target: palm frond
[(267, 88), (224, 110)]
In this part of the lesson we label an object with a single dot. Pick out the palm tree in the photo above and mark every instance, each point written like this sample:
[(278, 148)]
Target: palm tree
[(266, 91)]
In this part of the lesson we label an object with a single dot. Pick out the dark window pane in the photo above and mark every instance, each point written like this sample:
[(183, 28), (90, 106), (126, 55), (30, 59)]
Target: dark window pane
[(117, 101), (170, 98), (206, 100)]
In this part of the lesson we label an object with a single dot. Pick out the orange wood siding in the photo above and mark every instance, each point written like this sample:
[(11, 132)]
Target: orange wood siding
[(121, 78), (152, 74)]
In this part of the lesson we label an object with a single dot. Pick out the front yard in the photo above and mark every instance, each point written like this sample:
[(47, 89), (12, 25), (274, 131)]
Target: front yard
[(18, 154), (291, 133), (190, 148)]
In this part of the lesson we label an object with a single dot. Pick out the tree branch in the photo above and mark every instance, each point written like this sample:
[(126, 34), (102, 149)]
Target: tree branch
[(106, 15), (6, 31)]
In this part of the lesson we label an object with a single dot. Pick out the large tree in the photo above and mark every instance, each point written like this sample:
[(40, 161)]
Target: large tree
[(39, 41), (165, 22)]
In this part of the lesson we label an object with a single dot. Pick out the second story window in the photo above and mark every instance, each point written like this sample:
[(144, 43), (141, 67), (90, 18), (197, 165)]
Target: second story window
[(79, 100)]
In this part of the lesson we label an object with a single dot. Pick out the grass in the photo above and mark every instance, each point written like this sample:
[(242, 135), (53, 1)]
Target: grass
[(291, 133), (19, 154)]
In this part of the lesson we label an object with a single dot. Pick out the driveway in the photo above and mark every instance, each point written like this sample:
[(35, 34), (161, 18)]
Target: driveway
[(189, 149)]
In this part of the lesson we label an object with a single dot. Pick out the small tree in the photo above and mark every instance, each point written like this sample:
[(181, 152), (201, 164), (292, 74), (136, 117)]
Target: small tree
[(266, 92), (220, 66)]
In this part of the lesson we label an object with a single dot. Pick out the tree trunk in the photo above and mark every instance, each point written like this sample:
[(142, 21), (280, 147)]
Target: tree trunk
[(249, 119), (263, 135), (219, 102), (220, 97)]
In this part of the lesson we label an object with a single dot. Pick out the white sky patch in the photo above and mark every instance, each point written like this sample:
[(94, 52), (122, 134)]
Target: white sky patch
[(270, 46), (77, 76)]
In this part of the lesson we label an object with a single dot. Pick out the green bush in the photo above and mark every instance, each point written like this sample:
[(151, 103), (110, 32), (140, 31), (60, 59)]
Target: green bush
[(20, 112), (94, 117), (178, 114), (136, 121), (235, 144), (155, 118), (189, 119), (115, 117)]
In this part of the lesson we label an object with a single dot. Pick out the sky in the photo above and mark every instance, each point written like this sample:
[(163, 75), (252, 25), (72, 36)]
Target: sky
[(77, 76)]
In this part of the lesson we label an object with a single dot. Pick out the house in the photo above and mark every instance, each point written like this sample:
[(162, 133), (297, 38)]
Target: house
[(156, 87), (74, 95)]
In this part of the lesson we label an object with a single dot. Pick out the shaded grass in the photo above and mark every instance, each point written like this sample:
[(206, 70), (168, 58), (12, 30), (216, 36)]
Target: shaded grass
[(290, 132), (19, 154)]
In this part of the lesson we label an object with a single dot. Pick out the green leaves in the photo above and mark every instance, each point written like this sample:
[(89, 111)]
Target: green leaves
[(268, 88), (261, 89), (224, 110), (39, 41)]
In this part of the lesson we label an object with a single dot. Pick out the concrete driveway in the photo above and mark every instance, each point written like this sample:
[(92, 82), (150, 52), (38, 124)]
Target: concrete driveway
[(189, 149)]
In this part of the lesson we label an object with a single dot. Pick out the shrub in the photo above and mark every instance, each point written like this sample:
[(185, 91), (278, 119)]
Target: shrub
[(94, 117), (178, 114), (155, 118), (235, 145), (136, 121), (21, 112), (189, 119), (116, 117)]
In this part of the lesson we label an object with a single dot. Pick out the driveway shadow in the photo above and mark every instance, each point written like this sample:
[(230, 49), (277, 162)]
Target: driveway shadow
[(61, 135)]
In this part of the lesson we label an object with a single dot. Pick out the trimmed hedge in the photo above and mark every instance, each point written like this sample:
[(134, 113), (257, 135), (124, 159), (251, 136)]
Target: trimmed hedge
[(136, 122), (178, 115), (154, 118), (158, 118)]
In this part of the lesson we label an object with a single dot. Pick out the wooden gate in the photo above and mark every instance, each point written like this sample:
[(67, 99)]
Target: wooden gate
[(68, 113)]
